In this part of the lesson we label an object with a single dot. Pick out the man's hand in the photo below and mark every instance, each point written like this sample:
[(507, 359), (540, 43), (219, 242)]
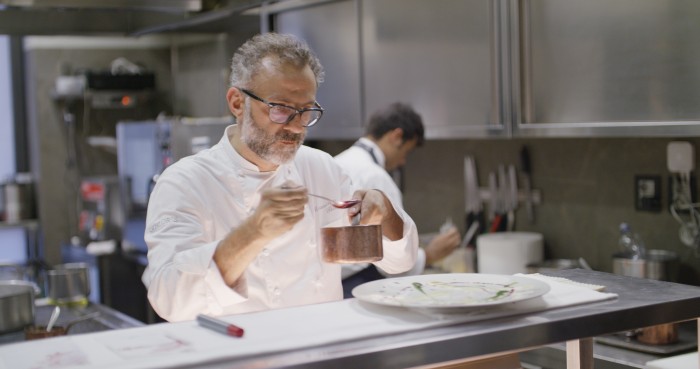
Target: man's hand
[(279, 210), (376, 208), (442, 245)]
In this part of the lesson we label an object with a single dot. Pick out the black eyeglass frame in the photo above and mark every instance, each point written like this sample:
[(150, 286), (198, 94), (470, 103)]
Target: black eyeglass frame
[(299, 112)]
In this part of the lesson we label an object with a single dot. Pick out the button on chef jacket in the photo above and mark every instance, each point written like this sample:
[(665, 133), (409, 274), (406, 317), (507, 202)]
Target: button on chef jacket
[(200, 199)]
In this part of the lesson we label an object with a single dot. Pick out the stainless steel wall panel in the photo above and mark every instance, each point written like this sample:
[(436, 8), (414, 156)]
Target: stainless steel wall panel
[(620, 61), (441, 57), (331, 29)]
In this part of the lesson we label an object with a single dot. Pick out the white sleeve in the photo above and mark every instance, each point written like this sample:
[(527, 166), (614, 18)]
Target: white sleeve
[(418, 267), (181, 277), (400, 255)]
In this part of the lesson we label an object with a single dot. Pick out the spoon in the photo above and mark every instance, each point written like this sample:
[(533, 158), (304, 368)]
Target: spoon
[(53, 318), (338, 204)]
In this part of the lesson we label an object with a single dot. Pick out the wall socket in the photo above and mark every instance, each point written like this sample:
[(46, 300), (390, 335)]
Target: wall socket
[(647, 193)]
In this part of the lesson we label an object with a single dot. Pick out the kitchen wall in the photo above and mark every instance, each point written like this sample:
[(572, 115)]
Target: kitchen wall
[(587, 187), (191, 80), (58, 176)]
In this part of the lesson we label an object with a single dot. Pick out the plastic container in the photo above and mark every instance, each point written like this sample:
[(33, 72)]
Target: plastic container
[(631, 244)]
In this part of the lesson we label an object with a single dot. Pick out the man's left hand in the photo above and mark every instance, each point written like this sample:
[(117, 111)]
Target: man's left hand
[(376, 208)]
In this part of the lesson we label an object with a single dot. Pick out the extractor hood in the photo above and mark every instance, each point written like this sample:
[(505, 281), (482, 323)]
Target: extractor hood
[(121, 17)]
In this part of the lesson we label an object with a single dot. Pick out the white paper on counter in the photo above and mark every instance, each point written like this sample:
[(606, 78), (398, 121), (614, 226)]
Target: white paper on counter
[(177, 344)]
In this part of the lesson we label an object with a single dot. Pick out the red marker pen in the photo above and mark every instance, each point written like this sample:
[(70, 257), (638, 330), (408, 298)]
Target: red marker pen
[(219, 326)]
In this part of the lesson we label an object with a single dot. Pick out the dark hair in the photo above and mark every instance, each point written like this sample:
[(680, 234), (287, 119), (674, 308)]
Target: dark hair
[(397, 115), (285, 48)]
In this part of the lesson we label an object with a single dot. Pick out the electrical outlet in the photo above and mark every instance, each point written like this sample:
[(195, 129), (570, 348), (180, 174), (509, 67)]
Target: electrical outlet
[(680, 157), (647, 193)]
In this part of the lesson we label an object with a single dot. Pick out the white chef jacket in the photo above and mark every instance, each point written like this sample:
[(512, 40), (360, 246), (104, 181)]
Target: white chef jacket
[(359, 163), (200, 199)]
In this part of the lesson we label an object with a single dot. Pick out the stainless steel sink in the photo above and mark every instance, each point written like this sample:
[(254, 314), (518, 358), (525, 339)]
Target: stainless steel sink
[(108, 319)]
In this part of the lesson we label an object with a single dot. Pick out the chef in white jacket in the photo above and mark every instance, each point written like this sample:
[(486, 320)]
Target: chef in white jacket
[(232, 229), (391, 134)]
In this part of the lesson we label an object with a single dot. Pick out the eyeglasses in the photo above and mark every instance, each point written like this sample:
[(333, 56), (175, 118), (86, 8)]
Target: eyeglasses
[(283, 114)]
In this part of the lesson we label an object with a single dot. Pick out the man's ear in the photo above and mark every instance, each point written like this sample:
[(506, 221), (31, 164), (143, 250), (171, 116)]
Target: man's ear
[(235, 100), (396, 136)]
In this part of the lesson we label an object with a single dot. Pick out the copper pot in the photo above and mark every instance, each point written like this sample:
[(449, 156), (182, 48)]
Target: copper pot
[(352, 244), (662, 334)]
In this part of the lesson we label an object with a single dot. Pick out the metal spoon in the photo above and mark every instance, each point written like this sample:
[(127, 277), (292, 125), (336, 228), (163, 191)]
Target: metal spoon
[(53, 318), (339, 203)]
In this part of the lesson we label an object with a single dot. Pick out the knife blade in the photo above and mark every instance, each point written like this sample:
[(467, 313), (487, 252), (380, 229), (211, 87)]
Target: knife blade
[(512, 197), (473, 207), (495, 212), (525, 166)]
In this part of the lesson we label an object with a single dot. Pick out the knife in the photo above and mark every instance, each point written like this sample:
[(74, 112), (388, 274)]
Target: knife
[(472, 200), (495, 215), (527, 184), (512, 197)]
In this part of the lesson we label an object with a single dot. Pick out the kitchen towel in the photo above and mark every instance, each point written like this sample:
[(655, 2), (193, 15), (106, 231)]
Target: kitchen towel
[(508, 252), (186, 343)]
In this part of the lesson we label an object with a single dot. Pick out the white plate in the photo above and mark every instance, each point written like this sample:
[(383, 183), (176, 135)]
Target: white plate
[(449, 291)]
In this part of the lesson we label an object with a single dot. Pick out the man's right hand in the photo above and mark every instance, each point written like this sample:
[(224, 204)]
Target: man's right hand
[(279, 210)]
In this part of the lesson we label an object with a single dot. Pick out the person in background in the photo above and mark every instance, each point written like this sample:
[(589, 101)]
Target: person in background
[(391, 134), (231, 229)]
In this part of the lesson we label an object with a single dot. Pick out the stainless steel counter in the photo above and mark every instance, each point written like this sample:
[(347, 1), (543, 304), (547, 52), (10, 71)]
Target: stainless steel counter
[(641, 302)]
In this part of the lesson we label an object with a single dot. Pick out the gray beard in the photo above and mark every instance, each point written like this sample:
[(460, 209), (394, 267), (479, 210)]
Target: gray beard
[(262, 143)]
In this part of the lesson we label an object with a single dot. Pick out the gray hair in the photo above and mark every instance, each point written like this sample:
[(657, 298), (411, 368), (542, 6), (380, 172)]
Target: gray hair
[(286, 48)]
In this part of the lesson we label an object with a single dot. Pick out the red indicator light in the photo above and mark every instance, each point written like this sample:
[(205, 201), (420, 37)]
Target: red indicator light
[(126, 100)]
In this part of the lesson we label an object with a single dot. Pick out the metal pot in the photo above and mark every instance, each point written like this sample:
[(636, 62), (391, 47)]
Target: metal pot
[(662, 265), (69, 283), (18, 198), (352, 244), (657, 264), (16, 304)]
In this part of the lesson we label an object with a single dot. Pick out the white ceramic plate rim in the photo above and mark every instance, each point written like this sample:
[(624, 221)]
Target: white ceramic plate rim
[(373, 292)]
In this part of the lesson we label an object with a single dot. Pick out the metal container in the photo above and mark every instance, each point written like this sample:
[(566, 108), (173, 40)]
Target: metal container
[(352, 244), (16, 304), (624, 265), (657, 264), (69, 283), (18, 198), (662, 265)]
